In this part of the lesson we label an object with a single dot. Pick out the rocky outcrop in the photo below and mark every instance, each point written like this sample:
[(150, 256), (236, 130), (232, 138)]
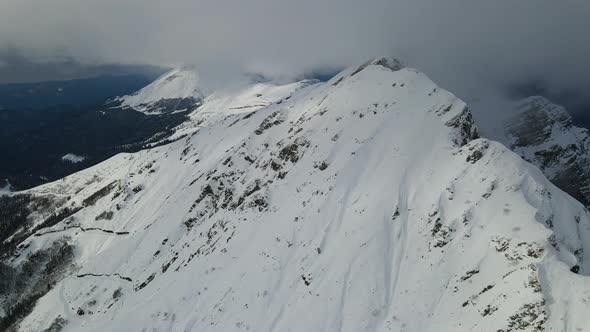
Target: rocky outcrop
[(543, 134)]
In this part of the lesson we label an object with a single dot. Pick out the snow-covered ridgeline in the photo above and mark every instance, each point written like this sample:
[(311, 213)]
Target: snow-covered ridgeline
[(176, 90), (363, 203)]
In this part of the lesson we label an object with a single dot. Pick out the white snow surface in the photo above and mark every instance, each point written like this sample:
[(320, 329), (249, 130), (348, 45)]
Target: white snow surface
[(73, 158), (6, 189), (348, 207), (176, 84), (238, 100)]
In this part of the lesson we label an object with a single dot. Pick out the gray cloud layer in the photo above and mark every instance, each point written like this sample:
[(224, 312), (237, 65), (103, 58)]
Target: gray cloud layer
[(16, 67), (464, 45)]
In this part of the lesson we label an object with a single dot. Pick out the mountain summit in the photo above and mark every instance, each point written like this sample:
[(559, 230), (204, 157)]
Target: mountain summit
[(543, 133), (176, 90), (365, 203)]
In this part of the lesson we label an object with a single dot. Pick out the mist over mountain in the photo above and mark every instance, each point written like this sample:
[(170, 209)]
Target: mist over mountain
[(475, 49)]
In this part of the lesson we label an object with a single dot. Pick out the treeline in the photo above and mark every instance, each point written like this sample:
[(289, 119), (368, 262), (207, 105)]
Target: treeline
[(32, 143), (24, 285), (13, 213)]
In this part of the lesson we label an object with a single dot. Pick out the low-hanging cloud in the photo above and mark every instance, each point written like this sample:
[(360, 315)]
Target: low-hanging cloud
[(466, 46), (16, 67)]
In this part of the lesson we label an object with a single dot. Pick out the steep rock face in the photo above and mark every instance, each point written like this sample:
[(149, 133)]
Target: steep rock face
[(362, 204), (178, 90), (543, 134)]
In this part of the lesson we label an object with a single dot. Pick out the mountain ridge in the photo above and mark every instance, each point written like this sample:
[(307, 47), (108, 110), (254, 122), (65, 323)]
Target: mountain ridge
[(543, 133), (364, 203), (174, 91)]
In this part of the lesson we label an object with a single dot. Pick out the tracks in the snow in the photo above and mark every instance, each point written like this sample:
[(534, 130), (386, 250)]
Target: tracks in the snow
[(83, 229)]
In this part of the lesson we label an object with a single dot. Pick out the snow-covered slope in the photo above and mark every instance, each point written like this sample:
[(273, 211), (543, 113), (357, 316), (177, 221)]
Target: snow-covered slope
[(365, 203), (176, 90), (237, 100), (543, 134)]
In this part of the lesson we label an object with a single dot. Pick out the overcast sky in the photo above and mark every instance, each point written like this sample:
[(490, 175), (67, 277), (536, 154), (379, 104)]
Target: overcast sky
[(463, 45)]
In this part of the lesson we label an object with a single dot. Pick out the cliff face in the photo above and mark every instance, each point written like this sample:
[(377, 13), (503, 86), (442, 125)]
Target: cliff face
[(543, 134)]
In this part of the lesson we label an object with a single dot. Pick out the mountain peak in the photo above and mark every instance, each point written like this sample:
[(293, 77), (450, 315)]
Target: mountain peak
[(365, 200), (543, 134), (556, 113), (388, 62), (178, 89), (537, 121)]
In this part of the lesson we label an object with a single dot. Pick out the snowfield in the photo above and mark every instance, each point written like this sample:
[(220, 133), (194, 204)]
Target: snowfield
[(365, 203), (237, 101), (5, 189), (177, 88), (73, 158)]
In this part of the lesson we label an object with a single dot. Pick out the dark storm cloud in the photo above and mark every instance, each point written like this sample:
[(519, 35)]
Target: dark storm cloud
[(465, 45), (16, 67)]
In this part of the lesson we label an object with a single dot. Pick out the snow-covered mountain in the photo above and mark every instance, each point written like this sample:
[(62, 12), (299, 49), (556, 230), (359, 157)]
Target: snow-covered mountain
[(240, 100), (37, 145), (175, 91), (365, 203), (543, 134)]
